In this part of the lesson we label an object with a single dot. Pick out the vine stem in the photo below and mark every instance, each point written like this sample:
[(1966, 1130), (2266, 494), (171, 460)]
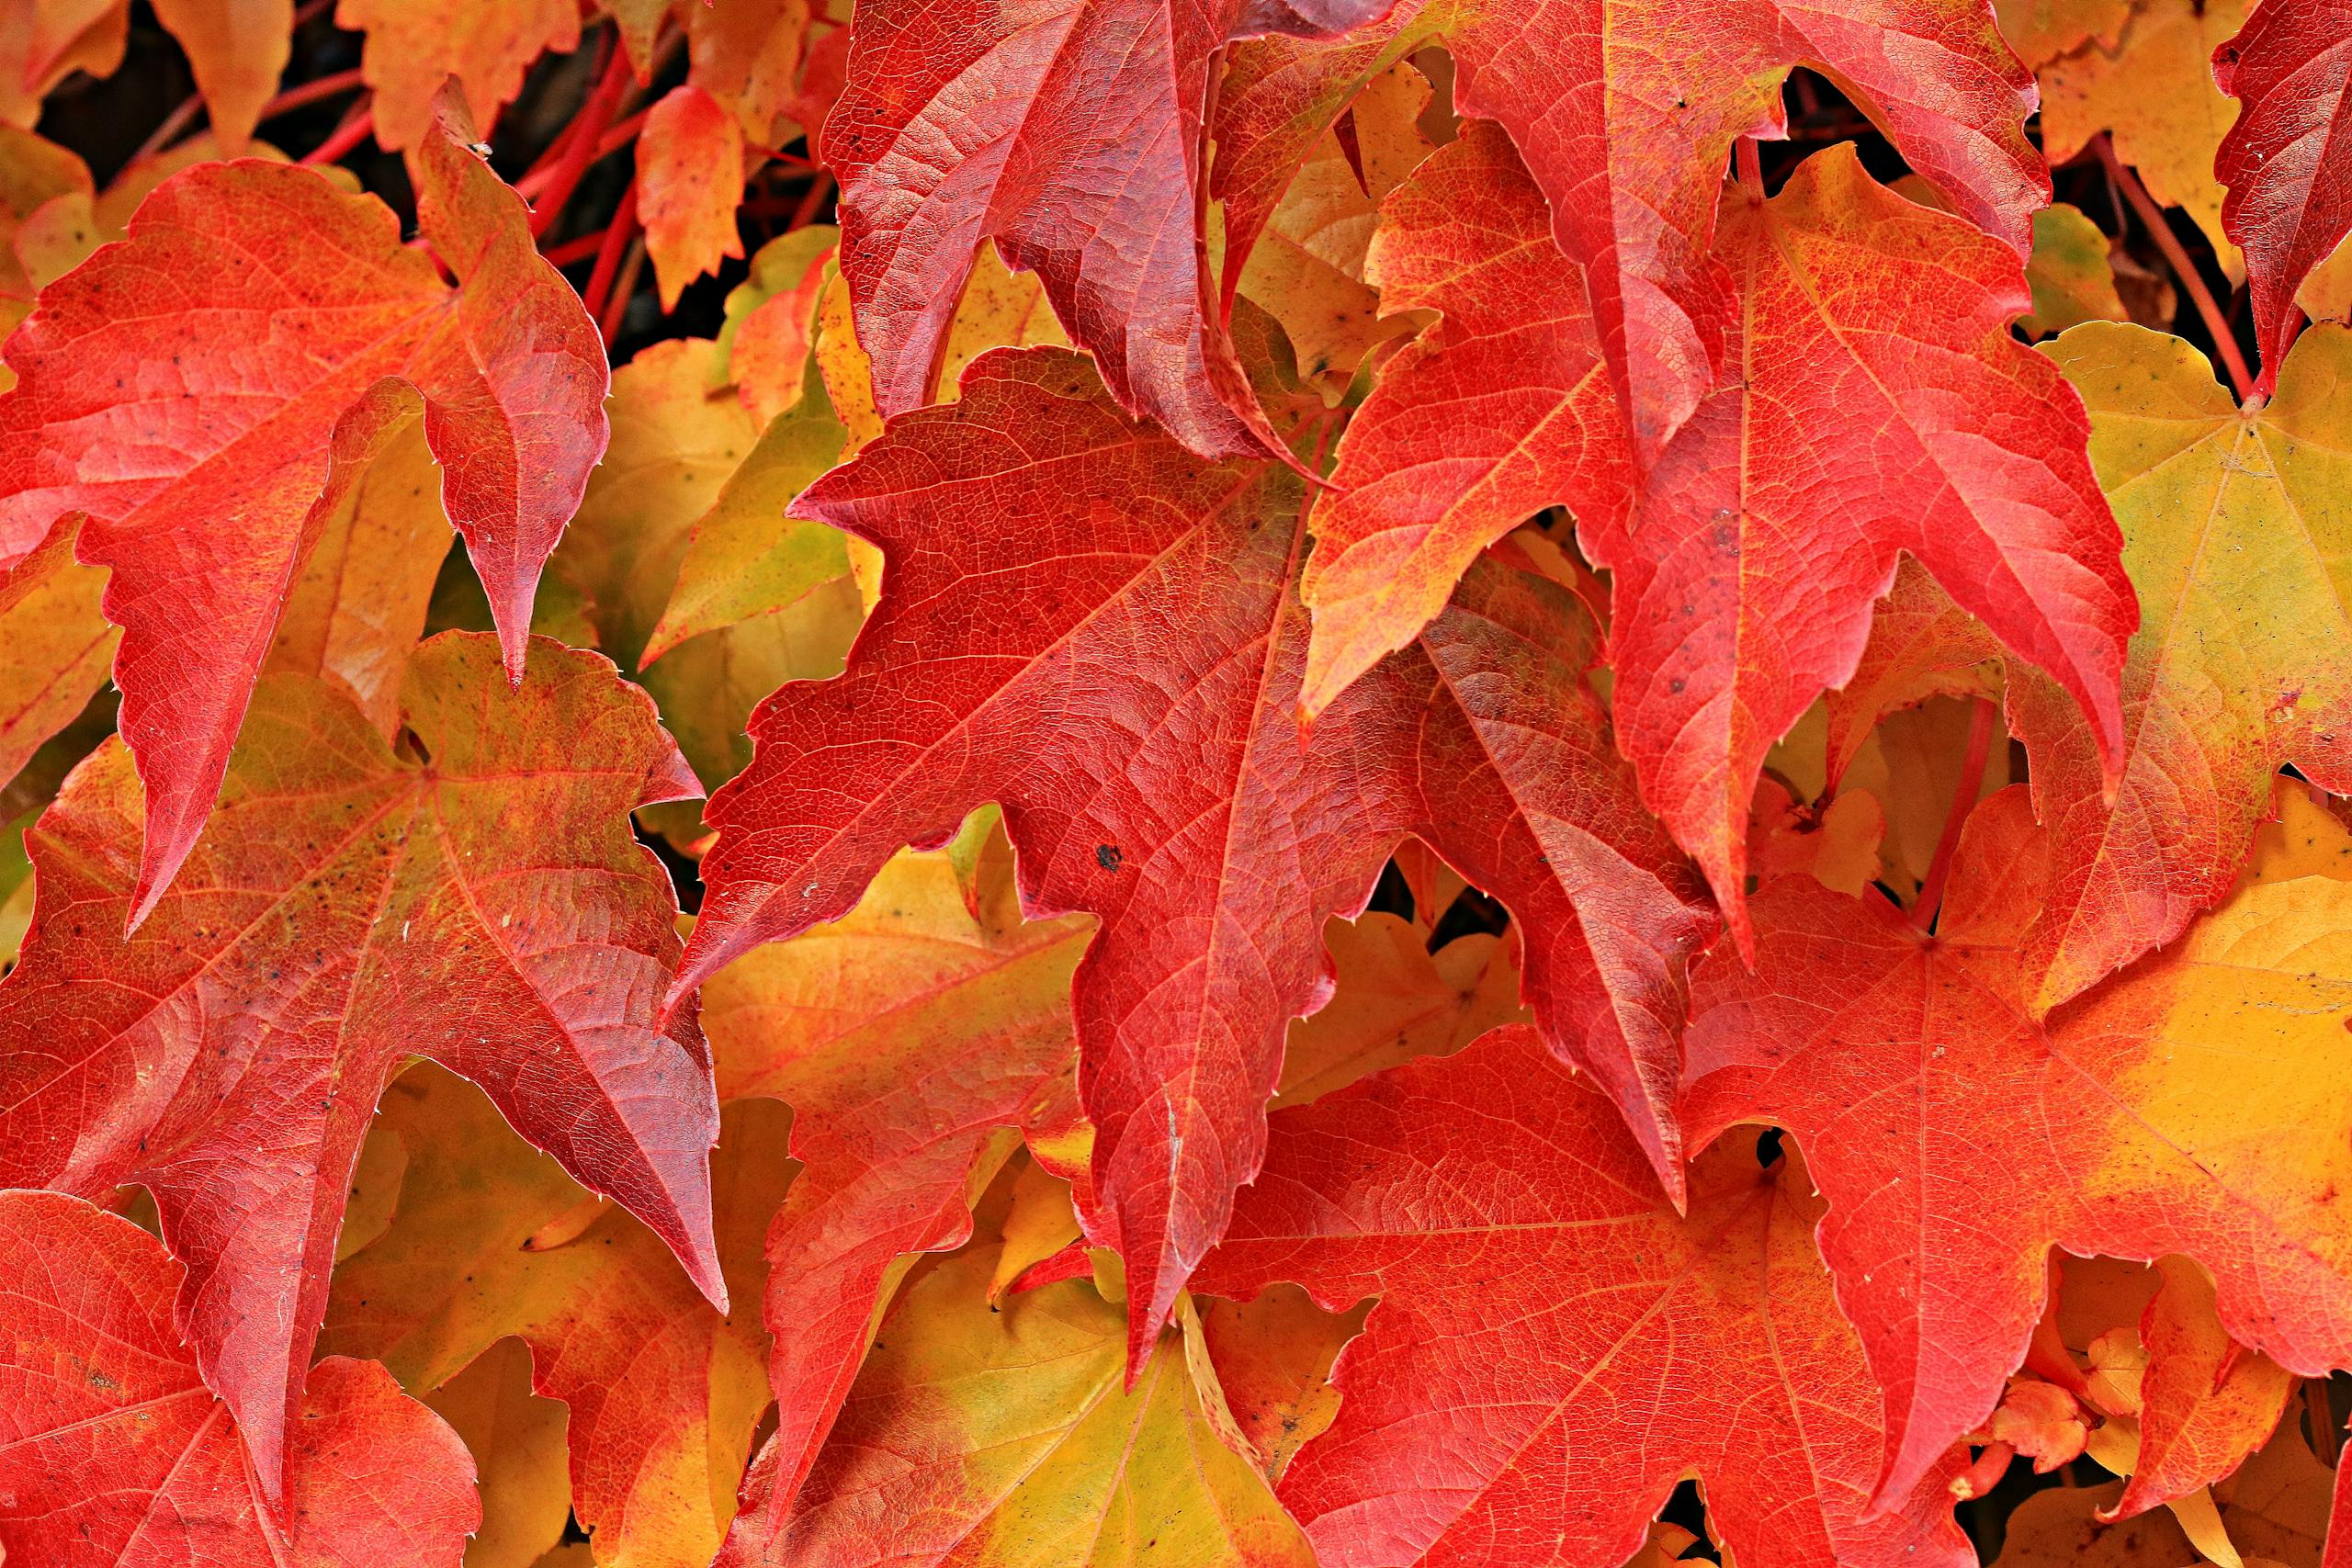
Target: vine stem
[(608, 253), (1751, 166), (356, 128), (619, 135), (1963, 800), (308, 93), (2184, 270), (580, 150)]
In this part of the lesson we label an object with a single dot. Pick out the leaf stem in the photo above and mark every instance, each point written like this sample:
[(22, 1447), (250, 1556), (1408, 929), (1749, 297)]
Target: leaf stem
[(1963, 800), (608, 253), (357, 127), (580, 150), (1985, 1473), (2192, 282), (1750, 162), (608, 325)]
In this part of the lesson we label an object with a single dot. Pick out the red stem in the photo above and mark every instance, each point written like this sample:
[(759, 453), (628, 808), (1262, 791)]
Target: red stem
[(577, 250), (608, 253), (2184, 271), (1964, 801), (1751, 166), (608, 325), (581, 150), (620, 135), (810, 200), (356, 128), (1985, 1473), (312, 92)]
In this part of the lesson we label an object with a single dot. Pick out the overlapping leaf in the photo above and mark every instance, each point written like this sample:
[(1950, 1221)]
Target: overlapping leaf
[(1121, 672), (1627, 110), (113, 1454), (492, 1239), (1553, 1346), (206, 389), (2234, 540), (980, 1434), (1073, 137), (474, 896), (2193, 1106), (2284, 161), (916, 1039), (1743, 582)]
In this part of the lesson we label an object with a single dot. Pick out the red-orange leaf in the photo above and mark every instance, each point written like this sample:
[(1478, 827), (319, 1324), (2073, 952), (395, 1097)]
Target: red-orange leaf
[(1072, 135), (476, 899), (689, 179), (1879, 404), (2288, 161), (113, 1454), (1554, 1346), (1120, 669), (1626, 111), (207, 388), (2193, 1105)]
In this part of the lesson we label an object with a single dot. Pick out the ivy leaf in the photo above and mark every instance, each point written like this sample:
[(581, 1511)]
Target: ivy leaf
[(113, 1454), (474, 897), (2290, 205), (59, 644), (1554, 1346), (1073, 137), (1743, 584), (491, 1240), (2229, 522), (2182, 1108), (1182, 806), (1627, 110), (415, 46), (995, 1436), (689, 180), (2206, 1402), (917, 1040), (236, 49), (210, 427)]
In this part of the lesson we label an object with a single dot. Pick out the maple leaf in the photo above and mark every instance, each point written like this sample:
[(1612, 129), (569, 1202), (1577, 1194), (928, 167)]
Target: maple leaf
[(492, 1239), (1121, 674), (415, 46), (236, 49), (2151, 1117), (2289, 204), (210, 427), (2228, 521), (2204, 1402), (1073, 137), (114, 1454), (1743, 582), (1626, 111), (980, 1434), (1553, 1346), (2152, 86), (517, 1441), (474, 897), (689, 180), (59, 645), (916, 1039)]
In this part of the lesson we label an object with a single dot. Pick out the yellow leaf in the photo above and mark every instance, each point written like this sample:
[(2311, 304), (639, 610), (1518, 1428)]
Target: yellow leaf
[(1396, 1000), (517, 1439), (58, 646), (663, 1394), (2073, 281), (2152, 88), (1006, 1440)]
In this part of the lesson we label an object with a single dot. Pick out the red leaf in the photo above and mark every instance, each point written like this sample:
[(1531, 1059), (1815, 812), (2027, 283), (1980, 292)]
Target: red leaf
[(1072, 136), (113, 1455), (2288, 161), (1881, 405), (206, 388), (1957, 1139), (1553, 1348), (1626, 111), (485, 906), (1499, 409), (1120, 669)]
